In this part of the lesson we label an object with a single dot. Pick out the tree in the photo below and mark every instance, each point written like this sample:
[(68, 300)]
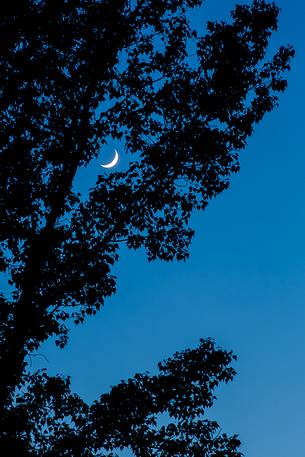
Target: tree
[(74, 75)]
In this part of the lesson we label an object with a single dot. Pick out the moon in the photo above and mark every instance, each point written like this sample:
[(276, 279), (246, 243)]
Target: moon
[(113, 162)]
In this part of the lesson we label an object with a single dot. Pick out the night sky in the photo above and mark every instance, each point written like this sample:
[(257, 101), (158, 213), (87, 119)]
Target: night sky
[(244, 283)]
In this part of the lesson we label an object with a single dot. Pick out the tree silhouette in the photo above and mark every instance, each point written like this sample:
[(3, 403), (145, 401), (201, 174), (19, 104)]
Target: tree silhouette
[(76, 74)]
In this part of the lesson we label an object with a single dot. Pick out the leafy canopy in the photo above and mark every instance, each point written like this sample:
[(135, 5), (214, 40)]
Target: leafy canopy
[(76, 74)]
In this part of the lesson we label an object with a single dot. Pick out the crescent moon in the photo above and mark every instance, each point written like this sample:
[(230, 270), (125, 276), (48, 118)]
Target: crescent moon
[(113, 162)]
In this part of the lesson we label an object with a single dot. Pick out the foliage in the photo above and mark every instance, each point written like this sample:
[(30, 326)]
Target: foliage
[(76, 74), (53, 422)]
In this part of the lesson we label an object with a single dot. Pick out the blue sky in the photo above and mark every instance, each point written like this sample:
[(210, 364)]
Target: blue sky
[(244, 283)]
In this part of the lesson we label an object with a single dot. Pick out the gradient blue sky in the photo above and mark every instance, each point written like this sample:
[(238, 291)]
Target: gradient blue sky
[(244, 283)]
